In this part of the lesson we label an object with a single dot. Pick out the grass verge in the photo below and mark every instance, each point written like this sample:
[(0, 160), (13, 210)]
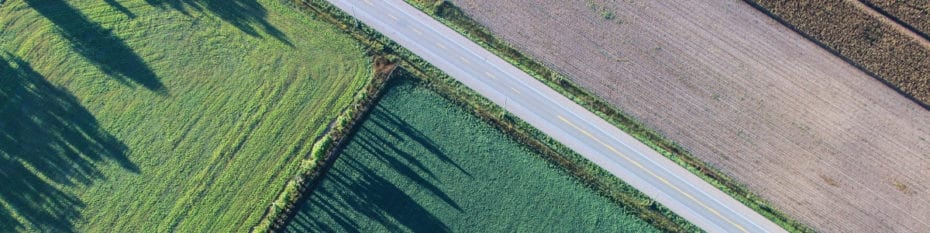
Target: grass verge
[(602, 181), (419, 163), (453, 17), (322, 153)]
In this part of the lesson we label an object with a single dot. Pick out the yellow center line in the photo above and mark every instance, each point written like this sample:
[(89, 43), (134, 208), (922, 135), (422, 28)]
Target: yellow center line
[(490, 75), (464, 60), (640, 166)]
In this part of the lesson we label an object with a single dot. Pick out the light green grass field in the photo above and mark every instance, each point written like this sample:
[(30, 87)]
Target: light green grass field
[(161, 115), (419, 163)]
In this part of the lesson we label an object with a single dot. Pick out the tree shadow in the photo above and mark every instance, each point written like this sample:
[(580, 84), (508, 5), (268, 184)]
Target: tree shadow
[(361, 189), (245, 15), (47, 141), (384, 115), (97, 44), (386, 153), (355, 187), (116, 5)]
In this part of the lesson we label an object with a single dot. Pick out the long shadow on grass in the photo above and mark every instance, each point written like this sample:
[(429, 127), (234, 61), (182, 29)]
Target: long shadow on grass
[(386, 153), (388, 117), (247, 15), (354, 196), (98, 44), (116, 5), (47, 141), (373, 181)]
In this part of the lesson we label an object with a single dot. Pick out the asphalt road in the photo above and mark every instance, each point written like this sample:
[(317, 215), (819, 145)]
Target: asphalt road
[(534, 102)]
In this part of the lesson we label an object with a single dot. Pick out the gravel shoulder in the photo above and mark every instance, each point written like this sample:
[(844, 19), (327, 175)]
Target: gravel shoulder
[(818, 138)]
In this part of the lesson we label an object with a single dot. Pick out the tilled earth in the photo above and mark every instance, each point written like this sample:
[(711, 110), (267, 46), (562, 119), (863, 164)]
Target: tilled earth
[(818, 138), (865, 36)]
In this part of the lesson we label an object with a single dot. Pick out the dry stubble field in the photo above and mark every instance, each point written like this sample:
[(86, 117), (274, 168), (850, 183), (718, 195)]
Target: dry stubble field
[(820, 139), (915, 13), (865, 36)]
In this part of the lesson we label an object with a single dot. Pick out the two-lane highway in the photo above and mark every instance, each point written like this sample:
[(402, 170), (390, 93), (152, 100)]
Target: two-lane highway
[(605, 145)]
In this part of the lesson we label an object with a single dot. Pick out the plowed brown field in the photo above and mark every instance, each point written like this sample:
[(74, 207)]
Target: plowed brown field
[(864, 35), (815, 136)]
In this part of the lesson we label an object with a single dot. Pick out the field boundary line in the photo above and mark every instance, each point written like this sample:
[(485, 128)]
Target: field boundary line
[(593, 176), (325, 149), (878, 61), (453, 17), (896, 22)]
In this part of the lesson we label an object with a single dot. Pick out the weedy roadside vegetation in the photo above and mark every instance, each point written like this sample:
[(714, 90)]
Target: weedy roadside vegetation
[(593, 175), (418, 162), (452, 16)]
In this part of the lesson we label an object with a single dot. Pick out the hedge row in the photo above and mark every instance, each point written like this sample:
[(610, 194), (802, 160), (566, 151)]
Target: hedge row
[(323, 152), (436, 80)]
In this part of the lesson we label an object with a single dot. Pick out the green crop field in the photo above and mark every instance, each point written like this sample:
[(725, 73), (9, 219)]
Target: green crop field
[(161, 115), (419, 163)]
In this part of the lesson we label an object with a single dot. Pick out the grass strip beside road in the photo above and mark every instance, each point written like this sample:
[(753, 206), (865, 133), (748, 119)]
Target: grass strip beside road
[(420, 163), (453, 17), (605, 183)]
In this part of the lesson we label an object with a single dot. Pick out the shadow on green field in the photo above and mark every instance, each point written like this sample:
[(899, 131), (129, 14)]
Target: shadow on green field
[(240, 13), (387, 117), (7, 222), (116, 5), (47, 140), (370, 195), (98, 44), (355, 188)]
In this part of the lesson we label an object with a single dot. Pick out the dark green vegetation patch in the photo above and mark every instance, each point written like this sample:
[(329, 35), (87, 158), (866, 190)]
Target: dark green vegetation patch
[(420, 163), (452, 16)]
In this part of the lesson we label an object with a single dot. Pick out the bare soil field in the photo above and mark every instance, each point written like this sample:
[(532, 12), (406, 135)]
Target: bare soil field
[(812, 134), (865, 36)]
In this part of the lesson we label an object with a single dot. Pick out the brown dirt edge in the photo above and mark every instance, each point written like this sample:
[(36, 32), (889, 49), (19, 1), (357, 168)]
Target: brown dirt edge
[(319, 159), (876, 48), (455, 18), (309, 180), (910, 18), (425, 74), (321, 156)]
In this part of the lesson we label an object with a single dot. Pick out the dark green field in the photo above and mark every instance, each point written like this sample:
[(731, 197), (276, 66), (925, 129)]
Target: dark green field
[(161, 115), (419, 163)]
